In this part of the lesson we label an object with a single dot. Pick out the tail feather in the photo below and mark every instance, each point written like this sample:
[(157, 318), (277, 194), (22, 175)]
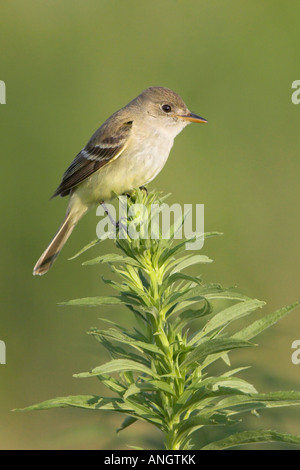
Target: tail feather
[(50, 254)]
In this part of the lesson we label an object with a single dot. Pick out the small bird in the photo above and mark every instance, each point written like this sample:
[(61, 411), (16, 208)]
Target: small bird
[(125, 153)]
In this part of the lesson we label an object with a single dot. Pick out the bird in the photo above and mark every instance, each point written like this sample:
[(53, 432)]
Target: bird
[(125, 153)]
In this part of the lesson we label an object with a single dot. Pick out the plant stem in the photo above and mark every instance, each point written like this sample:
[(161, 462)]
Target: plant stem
[(162, 367)]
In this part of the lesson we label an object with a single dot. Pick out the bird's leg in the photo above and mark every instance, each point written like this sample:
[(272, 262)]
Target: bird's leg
[(108, 214), (118, 224)]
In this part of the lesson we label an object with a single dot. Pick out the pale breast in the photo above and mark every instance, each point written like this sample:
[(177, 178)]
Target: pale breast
[(141, 161)]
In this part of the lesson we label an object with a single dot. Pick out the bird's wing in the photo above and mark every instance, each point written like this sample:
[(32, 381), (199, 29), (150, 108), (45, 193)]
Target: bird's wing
[(103, 148)]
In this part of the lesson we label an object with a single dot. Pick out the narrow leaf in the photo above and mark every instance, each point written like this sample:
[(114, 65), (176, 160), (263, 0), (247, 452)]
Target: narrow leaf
[(263, 323), (128, 421), (223, 318), (249, 437), (93, 301), (118, 365), (80, 401), (213, 346)]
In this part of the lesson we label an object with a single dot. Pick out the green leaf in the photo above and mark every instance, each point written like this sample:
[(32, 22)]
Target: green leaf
[(135, 447), (193, 423), (80, 401), (118, 365), (234, 371), (144, 413), (126, 339), (189, 315), (169, 252), (112, 258), (88, 246), (249, 437), (150, 385), (119, 352), (213, 346), (223, 318), (128, 421), (188, 261), (257, 401), (207, 292), (93, 301), (161, 380), (212, 387), (263, 323), (112, 384), (237, 384), (179, 277), (108, 258)]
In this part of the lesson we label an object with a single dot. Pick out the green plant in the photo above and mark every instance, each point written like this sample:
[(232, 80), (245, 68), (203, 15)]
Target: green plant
[(159, 370)]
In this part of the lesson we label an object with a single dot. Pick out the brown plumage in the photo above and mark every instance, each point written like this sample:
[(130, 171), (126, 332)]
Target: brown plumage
[(125, 153)]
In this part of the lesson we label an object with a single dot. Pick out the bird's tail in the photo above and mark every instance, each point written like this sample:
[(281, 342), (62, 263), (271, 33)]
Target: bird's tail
[(50, 254)]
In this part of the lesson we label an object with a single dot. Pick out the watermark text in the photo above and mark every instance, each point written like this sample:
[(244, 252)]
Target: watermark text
[(2, 92), (296, 94), (2, 352), (296, 354), (159, 221)]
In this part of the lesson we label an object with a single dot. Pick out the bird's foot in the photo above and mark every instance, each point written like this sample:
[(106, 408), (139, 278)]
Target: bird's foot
[(129, 194), (143, 188), (118, 224)]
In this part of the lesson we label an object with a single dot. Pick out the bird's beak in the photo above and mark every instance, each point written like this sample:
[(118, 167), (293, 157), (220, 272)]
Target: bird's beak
[(191, 117)]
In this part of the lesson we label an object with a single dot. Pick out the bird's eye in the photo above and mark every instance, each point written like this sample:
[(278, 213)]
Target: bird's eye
[(166, 108)]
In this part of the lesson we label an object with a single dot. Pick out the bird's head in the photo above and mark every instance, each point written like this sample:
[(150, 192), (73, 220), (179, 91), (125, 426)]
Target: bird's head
[(166, 108)]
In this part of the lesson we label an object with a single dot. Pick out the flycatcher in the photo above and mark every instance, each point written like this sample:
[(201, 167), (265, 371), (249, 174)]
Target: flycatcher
[(125, 153)]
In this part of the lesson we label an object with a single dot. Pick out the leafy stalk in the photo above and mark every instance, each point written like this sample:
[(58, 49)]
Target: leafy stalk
[(159, 371)]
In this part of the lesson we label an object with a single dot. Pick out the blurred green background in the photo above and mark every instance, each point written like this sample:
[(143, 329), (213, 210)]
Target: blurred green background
[(68, 65)]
